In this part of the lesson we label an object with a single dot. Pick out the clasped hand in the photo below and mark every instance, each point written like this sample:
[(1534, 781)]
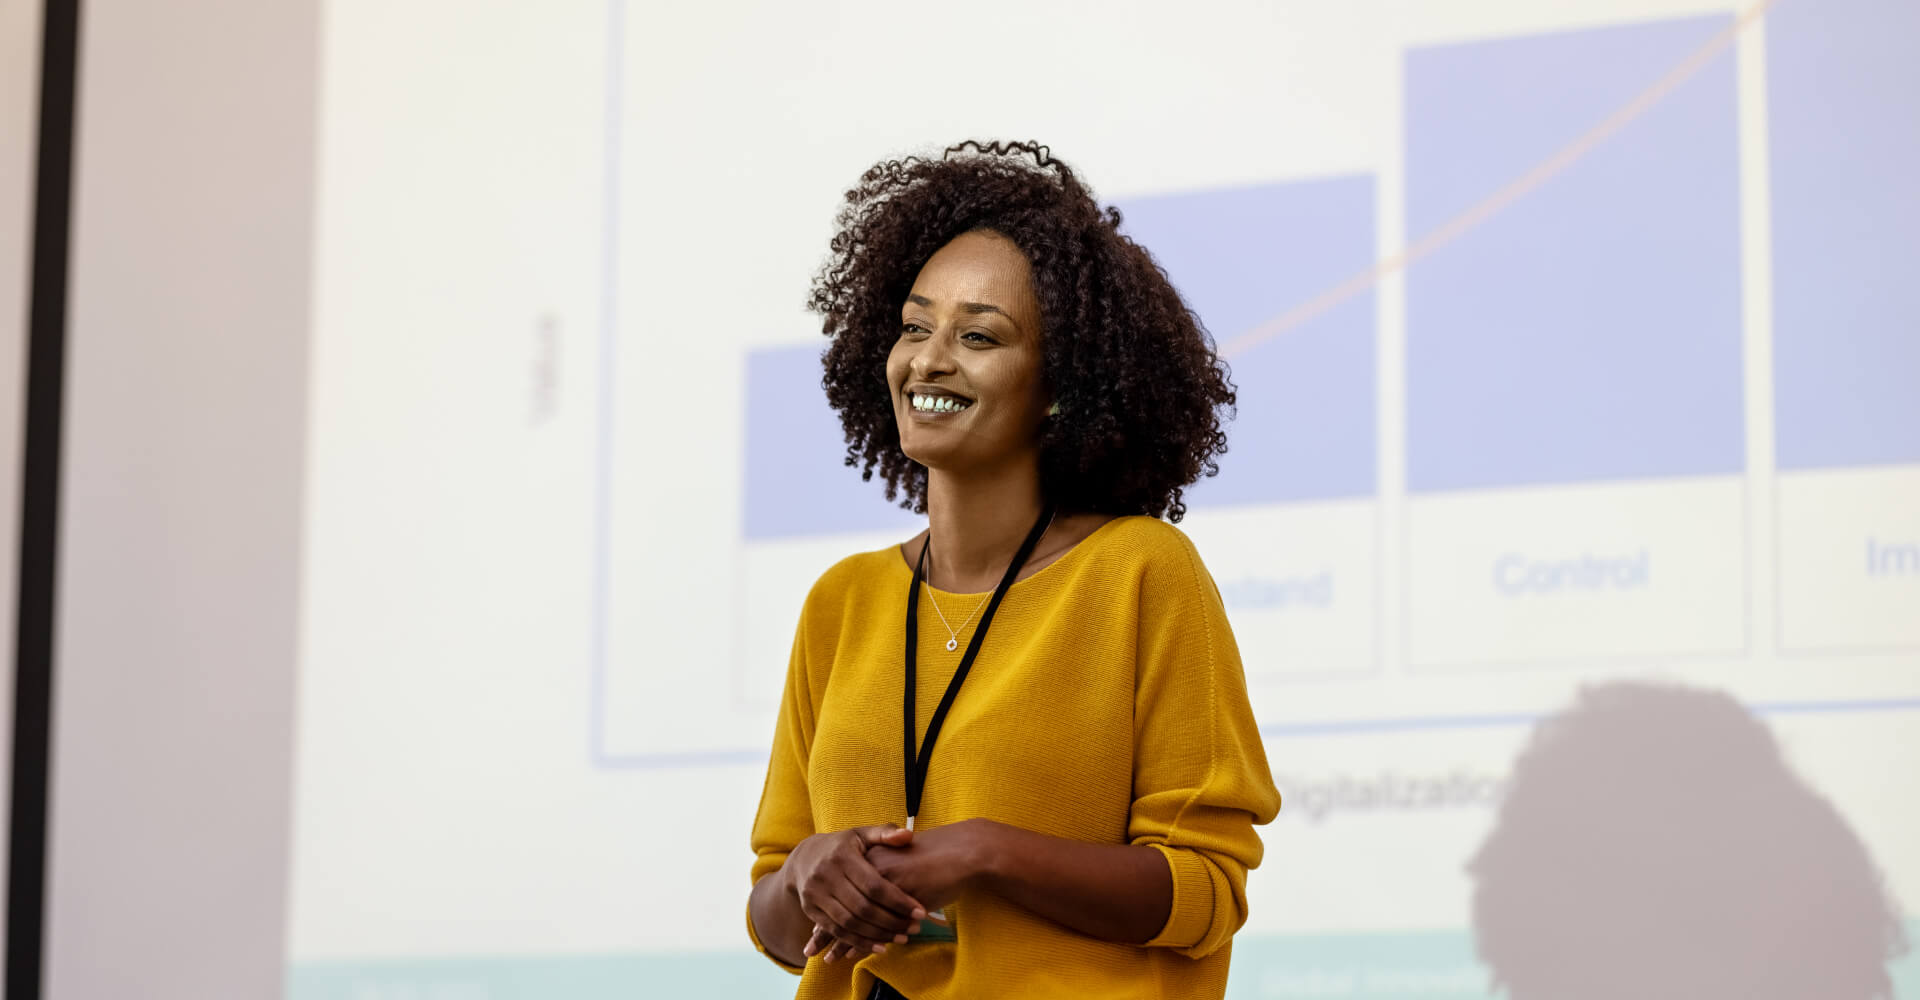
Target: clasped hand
[(871, 886)]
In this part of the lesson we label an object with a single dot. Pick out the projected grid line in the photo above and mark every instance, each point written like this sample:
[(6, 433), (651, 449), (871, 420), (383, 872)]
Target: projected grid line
[(602, 554)]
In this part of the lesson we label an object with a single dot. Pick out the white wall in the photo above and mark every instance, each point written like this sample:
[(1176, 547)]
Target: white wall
[(181, 516)]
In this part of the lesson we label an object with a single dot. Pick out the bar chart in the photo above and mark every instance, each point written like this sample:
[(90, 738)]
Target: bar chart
[(1575, 436), (1506, 398)]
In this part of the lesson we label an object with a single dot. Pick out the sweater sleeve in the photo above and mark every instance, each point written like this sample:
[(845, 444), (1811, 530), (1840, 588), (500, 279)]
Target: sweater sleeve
[(1200, 777), (785, 817)]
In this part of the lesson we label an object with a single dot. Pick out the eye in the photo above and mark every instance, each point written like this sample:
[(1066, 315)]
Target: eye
[(911, 329), (983, 338)]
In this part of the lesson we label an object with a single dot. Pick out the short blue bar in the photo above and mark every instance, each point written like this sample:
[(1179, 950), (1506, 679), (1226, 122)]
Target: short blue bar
[(1241, 257), (796, 481)]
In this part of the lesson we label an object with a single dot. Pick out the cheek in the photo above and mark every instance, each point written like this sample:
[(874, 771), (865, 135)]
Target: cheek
[(896, 373), (1025, 384)]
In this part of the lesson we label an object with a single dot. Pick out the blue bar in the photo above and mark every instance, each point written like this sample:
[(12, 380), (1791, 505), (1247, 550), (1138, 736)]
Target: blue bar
[(1591, 330), (796, 483), (1243, 256), (1843, 98)]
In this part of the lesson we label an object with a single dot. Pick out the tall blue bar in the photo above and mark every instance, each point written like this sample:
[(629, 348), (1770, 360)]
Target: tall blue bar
[(1843, 98), (1591, 329)]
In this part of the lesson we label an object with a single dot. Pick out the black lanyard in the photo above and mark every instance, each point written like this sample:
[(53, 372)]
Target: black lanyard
[(917, 765)]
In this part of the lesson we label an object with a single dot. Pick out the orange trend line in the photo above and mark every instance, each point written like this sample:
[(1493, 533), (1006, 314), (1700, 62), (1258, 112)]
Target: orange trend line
[(1516, 189)]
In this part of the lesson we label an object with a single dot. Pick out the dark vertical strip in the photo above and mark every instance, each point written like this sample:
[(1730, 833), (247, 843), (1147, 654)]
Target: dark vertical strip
[(40, 502)]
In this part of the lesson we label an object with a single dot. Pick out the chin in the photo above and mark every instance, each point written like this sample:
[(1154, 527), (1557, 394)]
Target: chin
[(931, 456), (932, 459)]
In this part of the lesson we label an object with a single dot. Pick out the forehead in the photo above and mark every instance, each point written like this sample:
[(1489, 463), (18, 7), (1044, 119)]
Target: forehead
[(979, 267)]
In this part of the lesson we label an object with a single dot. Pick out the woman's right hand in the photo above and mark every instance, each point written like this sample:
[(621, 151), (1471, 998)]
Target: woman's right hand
[(845, 897)]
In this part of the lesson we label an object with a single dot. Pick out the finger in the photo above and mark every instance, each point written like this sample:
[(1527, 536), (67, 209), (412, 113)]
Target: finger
[(877, 949), (839, 950), (832, 919), (885, 833), (822, 941), (859, 869), (890, 926), (866, 920), (849, 929), (887, 896)]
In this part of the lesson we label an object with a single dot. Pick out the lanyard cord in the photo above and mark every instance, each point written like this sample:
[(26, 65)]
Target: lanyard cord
[(917, 763)]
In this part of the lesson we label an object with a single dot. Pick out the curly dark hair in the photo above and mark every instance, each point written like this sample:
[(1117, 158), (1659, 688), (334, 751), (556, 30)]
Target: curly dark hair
[(1140, 386)]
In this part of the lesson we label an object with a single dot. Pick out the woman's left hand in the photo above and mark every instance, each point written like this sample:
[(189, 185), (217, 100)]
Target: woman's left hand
[(939, 863), (937, 866)]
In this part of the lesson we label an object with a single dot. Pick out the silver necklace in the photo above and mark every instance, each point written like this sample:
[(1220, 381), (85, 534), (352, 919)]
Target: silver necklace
[(953, 634)]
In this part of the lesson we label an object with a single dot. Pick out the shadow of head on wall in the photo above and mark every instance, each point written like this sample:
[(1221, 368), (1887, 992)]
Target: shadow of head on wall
[(1653, 843)]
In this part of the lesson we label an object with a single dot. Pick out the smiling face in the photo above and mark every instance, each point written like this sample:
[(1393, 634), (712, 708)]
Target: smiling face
[(966, 372)]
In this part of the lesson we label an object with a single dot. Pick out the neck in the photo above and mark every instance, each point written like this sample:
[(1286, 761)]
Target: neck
[(977, 522)]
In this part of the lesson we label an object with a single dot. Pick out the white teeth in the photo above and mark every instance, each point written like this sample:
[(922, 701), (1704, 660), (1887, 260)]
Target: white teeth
[(938, 404)]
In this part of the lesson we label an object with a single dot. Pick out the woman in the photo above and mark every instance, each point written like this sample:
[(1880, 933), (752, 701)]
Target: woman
[(1068, 808)]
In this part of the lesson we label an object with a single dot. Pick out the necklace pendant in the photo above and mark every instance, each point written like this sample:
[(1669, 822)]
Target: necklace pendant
[(953, 644)]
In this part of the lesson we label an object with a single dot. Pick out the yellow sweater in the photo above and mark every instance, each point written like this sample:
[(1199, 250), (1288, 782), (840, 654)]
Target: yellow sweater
[(1107, 705)]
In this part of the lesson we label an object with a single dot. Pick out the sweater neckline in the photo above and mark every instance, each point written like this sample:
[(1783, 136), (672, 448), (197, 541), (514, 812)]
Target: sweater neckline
[(898, 560)]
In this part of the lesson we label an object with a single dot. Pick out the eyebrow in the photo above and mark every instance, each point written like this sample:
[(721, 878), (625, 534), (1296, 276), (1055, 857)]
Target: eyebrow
[(966, 307)]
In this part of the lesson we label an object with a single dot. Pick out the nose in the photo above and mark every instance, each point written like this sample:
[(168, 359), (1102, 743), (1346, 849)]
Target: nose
[(933, 356)]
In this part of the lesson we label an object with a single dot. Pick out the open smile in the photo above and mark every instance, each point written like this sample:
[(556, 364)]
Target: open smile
[(936, 404)]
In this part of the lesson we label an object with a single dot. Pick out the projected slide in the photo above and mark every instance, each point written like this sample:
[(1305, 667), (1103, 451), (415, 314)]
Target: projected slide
[(1575, 349)]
